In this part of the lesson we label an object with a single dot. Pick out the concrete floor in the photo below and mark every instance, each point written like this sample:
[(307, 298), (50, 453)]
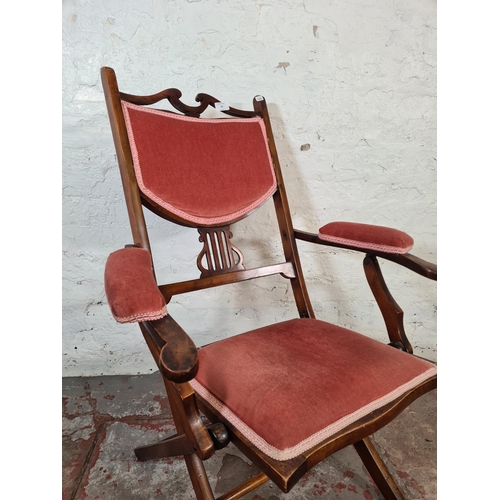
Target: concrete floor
[(105, 418)]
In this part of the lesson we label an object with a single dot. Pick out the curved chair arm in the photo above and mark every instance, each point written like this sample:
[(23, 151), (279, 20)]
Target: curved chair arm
[(391, 312), (178, 360), (416, 264), (133, 297)]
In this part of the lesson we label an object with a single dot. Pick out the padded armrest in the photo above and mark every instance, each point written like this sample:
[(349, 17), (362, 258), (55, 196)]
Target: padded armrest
[(133, 296), (367, 237), (131, 288), (416, 264)]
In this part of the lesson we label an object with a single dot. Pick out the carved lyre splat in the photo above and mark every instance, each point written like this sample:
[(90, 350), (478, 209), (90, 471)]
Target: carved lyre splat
[(218, 254)]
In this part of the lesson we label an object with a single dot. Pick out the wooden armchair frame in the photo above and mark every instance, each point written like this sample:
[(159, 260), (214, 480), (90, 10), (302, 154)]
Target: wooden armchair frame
[(176, 355)]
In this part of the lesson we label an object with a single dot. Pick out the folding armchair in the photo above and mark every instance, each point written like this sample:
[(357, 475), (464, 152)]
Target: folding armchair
[(290, 394)]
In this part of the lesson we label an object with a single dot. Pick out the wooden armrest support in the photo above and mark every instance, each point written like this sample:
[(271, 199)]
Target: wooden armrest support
[(415, 264), (178, 359)]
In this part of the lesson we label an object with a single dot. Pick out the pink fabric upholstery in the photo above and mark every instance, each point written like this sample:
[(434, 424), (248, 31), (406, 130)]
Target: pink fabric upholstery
[(367, 236), (207, 171), (289, 386), (131, 288)]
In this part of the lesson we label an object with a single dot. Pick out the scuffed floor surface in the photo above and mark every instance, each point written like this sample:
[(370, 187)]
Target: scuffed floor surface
[(105, 418)]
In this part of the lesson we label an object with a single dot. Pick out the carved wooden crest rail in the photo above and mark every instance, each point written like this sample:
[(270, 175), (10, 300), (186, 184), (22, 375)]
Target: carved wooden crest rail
[(174, 95)]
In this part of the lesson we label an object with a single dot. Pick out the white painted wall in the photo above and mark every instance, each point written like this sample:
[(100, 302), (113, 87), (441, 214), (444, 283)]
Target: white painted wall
[(353, 79)]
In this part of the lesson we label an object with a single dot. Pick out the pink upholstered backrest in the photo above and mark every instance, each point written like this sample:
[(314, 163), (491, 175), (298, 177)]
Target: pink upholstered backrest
[(206, 171)]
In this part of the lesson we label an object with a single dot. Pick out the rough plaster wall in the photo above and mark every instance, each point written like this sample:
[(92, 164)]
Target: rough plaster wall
[(351, 88)]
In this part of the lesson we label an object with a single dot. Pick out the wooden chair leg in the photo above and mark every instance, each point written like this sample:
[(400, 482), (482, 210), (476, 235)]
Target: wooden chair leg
[(179, 444), (378, 470), (199, 478), (244, 488), (173, 446), (392, 313)]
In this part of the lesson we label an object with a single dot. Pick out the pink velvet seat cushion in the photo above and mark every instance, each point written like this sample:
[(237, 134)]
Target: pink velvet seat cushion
[(207, 171), (289, 386), (367, 236), (131, 288)]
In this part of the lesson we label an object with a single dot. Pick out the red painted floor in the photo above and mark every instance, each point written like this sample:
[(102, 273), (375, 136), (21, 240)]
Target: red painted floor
[(105, 418)]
